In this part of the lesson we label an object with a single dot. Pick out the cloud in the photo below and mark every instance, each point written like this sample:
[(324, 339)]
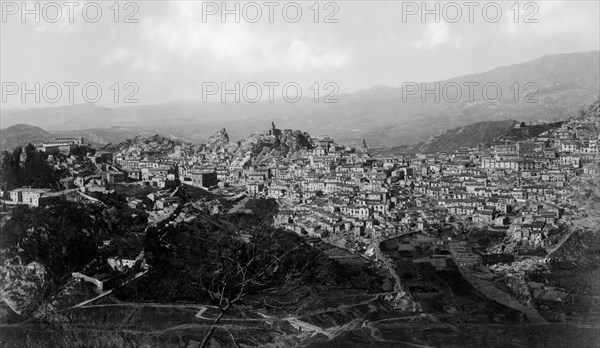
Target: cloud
[(436, 35), (548, 19), (60, 26), (549, 6), (136, 61), (301, 54), (244, 48), (54, 19)]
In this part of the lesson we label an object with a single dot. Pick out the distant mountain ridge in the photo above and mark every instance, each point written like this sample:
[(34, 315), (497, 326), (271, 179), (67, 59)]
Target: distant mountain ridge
[(478, 133), (564, 83)]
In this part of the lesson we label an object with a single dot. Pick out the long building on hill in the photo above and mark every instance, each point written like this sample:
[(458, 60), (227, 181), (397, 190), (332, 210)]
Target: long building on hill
[(61, 145)]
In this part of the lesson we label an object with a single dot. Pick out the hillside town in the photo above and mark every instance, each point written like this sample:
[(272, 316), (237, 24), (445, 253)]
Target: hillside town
[(520, 196), (330, 190), (306, 174)]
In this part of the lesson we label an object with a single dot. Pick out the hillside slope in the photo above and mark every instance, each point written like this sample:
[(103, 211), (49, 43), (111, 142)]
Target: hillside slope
[(21, 135), (467, 136)]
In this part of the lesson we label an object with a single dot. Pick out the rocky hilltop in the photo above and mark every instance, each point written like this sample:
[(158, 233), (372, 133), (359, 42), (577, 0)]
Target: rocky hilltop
[(219, 139), (271, 143), (156, 141)]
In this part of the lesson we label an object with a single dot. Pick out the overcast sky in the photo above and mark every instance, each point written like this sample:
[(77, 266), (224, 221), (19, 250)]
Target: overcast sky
[(172, 49)]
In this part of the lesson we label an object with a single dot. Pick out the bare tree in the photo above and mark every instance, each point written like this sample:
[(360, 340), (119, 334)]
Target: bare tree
[(247, 268)]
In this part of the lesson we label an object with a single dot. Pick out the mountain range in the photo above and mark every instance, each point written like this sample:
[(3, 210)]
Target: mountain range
[(484, 132), (556, 86)]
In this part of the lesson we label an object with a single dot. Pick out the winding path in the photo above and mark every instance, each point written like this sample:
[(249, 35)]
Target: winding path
[(561, 242)]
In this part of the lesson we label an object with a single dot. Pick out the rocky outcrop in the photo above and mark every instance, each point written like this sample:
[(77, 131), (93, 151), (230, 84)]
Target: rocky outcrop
[(156, 141), (261, 146), (281, 144), (21, 286), (295, 141), (220, 138)]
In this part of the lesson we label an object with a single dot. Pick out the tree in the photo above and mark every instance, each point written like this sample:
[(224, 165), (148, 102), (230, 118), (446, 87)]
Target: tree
[(10, 169), (26, 167), (221, 259), (249, 267)]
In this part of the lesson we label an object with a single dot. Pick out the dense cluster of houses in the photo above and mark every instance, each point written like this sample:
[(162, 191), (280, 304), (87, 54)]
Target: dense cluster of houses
[(153, 162), (331, 189), (518, 186)]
